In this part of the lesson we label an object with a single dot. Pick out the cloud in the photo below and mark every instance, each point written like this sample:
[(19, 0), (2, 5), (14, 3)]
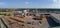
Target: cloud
[(26, 2), (52, 6), (56, 1), (2, 3), (55, 4)]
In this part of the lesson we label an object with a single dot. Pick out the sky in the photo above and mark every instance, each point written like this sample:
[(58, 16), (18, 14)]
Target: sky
[(29, 3)]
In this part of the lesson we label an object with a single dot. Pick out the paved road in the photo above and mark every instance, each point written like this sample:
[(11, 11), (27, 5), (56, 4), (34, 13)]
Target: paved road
[(1, 24)]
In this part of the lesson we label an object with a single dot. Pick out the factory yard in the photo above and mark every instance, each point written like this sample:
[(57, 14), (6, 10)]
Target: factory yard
[(30, 22), (26, 22), (42, 21), (26, 19)]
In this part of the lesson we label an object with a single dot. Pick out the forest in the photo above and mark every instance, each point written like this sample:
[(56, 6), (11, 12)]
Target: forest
[(30, 9)]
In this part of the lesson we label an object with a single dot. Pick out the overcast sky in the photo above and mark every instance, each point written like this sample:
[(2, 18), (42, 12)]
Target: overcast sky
[(29, 3)]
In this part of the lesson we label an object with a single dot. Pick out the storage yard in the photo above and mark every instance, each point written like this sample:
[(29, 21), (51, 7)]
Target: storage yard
[(17, 19)]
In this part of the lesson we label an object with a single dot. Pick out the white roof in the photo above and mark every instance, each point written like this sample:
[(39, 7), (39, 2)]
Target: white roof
[(57, 16)]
